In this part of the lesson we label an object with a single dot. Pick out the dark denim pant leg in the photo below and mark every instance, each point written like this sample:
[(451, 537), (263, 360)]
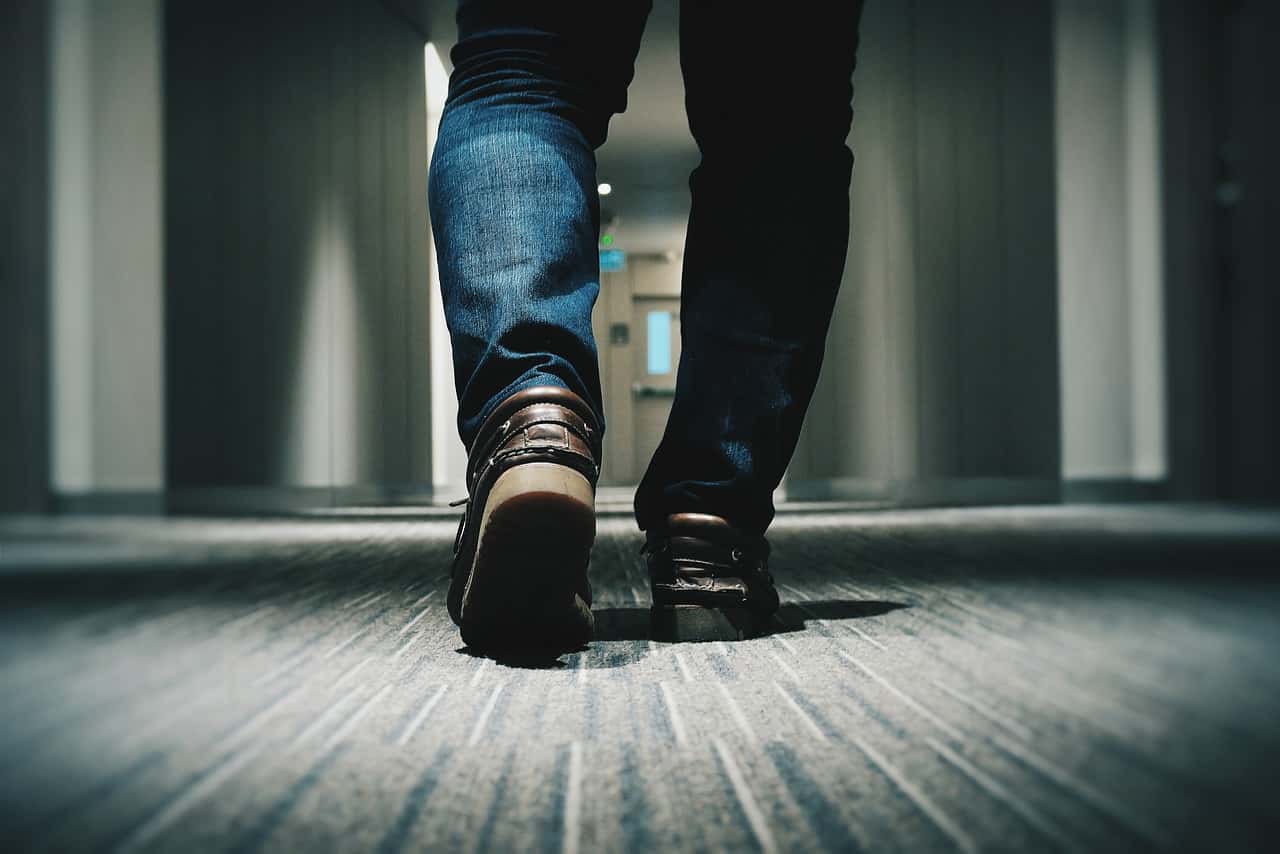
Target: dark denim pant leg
[(764, 253), (513, 195)]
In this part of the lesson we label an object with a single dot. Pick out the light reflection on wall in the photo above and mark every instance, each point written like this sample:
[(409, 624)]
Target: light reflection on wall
[(449, 462), (1109, 224), (106, 248), (319, 447)]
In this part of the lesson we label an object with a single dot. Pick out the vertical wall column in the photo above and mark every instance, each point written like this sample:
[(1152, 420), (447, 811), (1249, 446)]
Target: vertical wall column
[(1222, 211), (24, 278), (449, 456), (106, 245), (1110, 254), (1249, 202), (296, 265), (941, 375)]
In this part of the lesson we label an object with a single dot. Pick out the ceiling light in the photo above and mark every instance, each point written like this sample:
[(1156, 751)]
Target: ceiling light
[(605, 189)]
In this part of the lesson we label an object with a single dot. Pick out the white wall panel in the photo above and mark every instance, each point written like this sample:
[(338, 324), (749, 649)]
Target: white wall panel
[(106, 247), (323, 297), (941, 365), (1109, 226)]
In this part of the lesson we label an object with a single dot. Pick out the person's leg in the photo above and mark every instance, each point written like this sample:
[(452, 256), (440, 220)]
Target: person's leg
[(764, 255), (516, 216), (513, 193)]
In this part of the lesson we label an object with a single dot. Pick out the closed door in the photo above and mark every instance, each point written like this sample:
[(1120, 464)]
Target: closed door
[(653, 387), (637, 328)]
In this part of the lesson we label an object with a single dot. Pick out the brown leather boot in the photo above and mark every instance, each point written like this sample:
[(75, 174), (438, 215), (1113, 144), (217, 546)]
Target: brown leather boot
[(701, 561), (520, 558)]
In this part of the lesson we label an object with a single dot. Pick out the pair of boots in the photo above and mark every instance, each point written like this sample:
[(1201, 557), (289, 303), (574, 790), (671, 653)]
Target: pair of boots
[(519, 575)]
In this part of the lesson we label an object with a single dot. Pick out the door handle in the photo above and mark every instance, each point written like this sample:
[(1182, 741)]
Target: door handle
[(641, 390)]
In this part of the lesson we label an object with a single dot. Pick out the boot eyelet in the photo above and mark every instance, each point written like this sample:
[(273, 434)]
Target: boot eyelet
[(736, 555)]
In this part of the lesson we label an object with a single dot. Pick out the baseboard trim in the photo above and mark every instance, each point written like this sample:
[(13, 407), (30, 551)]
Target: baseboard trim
[(237, 500), (979, 491), (1107, 490), (123, 502), (796, 496), (927, 492), (290, 500)]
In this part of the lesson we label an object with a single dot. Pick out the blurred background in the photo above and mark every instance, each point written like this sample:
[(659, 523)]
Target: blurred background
[(227, 438), (218, 272)]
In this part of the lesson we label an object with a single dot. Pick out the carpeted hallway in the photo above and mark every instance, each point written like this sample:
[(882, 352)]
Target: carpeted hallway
[(1070, 678)]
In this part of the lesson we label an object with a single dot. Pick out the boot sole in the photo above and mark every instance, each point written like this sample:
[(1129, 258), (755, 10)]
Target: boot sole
[(673, 623), (528, 581)]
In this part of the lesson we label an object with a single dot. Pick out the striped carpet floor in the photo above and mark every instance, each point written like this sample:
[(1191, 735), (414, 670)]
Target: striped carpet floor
[(1061, 678)]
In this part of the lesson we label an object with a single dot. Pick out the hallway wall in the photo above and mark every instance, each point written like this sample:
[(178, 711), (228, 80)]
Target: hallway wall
[(296, 270), (1248, 199), (106, 249), (215, 262), (941, 372), (1221, 182), (1110, 270), (24, 301)]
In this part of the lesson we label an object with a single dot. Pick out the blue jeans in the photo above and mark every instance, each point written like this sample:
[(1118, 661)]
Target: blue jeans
[(516, 219)]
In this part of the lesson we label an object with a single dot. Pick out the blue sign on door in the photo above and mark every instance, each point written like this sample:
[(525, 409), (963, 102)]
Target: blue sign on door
[(612, 260), (659, 356)]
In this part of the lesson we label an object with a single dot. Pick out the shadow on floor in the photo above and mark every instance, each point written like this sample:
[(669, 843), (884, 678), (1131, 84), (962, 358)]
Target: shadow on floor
[(699, 625), (704, 625)]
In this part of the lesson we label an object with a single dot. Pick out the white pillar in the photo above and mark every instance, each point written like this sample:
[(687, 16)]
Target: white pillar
[(107, 346), (1109, 226)]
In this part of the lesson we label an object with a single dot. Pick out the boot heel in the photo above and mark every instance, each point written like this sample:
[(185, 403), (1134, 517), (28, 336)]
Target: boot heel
[(532, 552), (684, 623), (549, 482), (519, 570)]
